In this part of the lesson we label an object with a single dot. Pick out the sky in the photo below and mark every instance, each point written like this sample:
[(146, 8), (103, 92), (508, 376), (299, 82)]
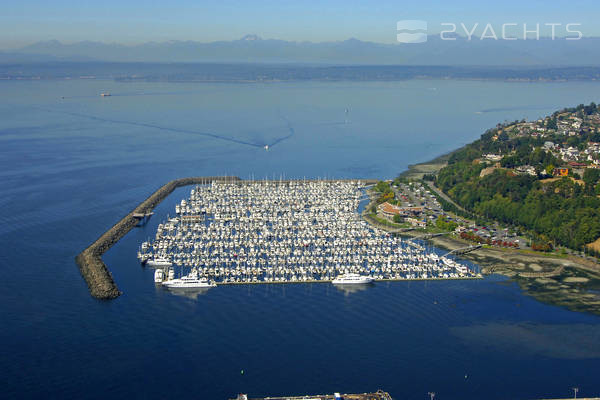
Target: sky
[(130, 22)]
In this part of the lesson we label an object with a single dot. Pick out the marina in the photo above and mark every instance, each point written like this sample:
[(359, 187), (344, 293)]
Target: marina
[(285, 232)]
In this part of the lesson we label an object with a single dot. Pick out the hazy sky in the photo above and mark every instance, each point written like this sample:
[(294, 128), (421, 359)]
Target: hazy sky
[(26, 21)]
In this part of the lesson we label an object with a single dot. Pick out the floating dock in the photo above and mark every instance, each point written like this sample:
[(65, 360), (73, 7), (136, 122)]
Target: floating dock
[(295, 232), (379, 395)]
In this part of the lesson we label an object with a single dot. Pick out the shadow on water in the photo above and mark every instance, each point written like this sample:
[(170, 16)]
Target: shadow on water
[(350, 289), (190, 293)]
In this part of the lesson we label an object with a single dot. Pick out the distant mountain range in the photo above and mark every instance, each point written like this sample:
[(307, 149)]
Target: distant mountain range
[(253, 49)]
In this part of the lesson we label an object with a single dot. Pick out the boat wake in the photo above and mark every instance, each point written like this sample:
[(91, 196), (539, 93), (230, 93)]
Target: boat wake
[(290, 128), (154, 126)]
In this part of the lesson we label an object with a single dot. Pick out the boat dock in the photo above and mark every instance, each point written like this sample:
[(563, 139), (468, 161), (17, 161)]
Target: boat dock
[(379, 395), (284, 232), (458, 278)]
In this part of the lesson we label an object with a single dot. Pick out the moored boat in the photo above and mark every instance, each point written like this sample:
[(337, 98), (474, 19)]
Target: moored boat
[(193, 280), (159, 276), (159, 262), (352, 279)]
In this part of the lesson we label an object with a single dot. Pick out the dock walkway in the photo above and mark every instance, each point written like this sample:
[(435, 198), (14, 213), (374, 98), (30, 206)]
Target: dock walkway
[(379, 395)]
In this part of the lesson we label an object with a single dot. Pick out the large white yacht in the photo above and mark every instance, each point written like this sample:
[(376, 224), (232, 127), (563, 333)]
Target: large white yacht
[(352, 279), (189, 281)]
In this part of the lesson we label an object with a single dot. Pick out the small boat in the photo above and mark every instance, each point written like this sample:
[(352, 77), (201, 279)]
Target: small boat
[(106, 94), (159, 276), (189, 281), (159, 262), (352, 279)]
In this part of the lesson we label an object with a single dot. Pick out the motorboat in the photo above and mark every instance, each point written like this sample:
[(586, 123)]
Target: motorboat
[(352, 279), (159, 276), (159, 262), (193, 280)]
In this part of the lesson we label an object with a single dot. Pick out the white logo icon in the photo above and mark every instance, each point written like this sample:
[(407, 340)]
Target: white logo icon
[(411, 31)]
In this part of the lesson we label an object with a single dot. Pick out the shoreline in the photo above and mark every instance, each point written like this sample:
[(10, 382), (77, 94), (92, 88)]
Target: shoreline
[(416, 171), (561, 280), (452, 243), (558, 280)]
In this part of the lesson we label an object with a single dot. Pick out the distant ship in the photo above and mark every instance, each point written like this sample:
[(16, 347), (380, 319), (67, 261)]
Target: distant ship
[(266, 147), (352, 279), (105, 94)]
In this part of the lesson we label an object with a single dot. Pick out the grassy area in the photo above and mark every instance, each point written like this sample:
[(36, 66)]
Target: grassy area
[(386, 222), (416, 171)]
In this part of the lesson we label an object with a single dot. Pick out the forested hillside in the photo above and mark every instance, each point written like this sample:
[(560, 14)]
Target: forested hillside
[(542, 176)]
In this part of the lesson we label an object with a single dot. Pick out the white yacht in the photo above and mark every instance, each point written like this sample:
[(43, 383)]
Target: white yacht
[(352, 279), (159, 262), (159, 276), (189, 281)]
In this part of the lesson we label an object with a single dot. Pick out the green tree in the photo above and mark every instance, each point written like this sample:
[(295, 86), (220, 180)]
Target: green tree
[(383, 187), (445, 224)]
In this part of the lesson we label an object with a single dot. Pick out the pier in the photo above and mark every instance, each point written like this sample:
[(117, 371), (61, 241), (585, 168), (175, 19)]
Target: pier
[(379, 395), (464, 250)]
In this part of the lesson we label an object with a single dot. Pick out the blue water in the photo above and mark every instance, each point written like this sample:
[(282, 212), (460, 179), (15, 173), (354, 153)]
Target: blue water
[(71, 167)]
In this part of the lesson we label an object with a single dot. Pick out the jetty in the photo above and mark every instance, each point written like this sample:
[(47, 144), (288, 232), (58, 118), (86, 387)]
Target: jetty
[(97, 276)]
